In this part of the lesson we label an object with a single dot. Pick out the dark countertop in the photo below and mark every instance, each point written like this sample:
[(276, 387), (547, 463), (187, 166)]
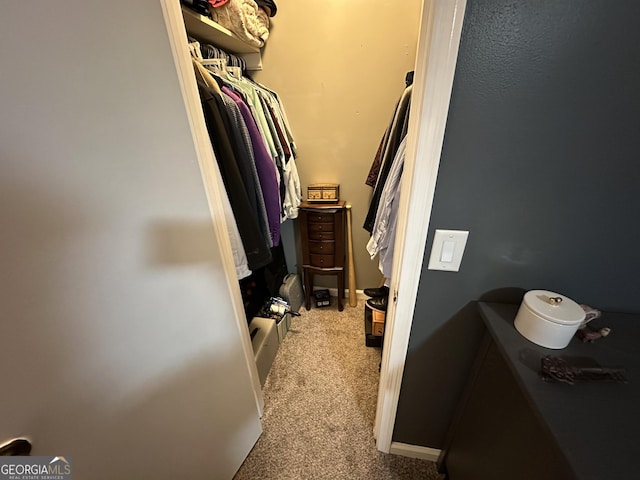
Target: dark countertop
[(595, 425)]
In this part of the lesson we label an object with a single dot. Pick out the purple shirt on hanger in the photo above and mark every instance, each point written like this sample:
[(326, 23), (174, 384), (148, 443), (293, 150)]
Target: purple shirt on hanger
[(265, 167)]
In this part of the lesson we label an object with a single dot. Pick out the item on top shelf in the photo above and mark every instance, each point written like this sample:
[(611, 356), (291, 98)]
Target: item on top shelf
[(584, 369), (200, 6), (323, 192), (548, 319), (590, 335), (589, 314), (269, 6), (243, 17), (322, 298)]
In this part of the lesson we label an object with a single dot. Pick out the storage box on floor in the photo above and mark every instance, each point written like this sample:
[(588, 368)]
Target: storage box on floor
[(291, 291), (373, 327), (266, 336)]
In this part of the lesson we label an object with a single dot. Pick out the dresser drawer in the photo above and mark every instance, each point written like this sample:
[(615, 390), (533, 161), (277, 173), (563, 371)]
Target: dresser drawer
[(320, 217), (321, 236), (322, 248), (323, 261), (320, 227)]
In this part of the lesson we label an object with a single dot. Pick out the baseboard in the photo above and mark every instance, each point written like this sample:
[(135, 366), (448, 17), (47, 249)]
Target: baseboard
[(414, 451)]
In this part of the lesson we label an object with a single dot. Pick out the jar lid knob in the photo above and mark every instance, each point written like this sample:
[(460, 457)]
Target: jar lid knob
[(555, 300)]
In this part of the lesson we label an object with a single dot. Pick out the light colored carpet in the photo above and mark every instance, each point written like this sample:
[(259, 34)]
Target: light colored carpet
[(320, 401)]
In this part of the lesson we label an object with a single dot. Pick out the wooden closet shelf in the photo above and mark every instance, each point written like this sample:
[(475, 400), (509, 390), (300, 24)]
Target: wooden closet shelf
[(208, 31)]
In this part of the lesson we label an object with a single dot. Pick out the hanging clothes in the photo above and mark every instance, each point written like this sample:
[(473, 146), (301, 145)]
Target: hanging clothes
[(382, 241), (385, 176), (247, 164), (257, 251), (264, 166), (254, 148), (237, 248), (389, 146), (273, 125)]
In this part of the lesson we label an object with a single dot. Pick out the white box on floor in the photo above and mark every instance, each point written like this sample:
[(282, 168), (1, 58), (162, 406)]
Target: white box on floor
[(264, 339), (282, 326)]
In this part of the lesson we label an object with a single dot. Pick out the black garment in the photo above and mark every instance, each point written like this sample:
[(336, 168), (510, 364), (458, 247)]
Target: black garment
[(377, 292), (264, 283), (272, 8), (408, 79), (200, 6), (258, 254), (374, 171)]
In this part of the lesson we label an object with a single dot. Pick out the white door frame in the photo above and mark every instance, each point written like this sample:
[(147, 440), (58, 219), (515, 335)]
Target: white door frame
[(214, 188), (437, 52)]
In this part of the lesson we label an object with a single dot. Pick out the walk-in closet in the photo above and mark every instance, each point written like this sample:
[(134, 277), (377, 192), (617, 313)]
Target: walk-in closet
[(121, 295), (340, 75)]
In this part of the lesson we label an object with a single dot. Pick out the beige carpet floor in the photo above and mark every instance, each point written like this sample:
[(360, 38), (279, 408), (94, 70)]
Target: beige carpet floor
[(320, 400)]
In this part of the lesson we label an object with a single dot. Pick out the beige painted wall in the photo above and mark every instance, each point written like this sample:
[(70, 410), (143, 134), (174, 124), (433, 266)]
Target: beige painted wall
[(340, 67)]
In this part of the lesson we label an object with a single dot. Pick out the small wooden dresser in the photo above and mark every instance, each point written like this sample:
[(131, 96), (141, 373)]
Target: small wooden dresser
[(322, 233)]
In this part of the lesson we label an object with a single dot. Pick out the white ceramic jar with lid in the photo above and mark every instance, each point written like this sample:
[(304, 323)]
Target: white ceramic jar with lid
[(548, 319)]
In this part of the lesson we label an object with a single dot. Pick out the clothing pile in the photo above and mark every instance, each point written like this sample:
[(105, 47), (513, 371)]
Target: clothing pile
[(247, 19), (255, 150), (385, 176)]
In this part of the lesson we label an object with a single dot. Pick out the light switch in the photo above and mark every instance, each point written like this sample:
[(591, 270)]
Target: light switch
[(448, 247), (447, 250)]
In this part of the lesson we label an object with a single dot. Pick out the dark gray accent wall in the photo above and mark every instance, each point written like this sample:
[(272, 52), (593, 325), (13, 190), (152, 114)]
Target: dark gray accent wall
[(541, 163)]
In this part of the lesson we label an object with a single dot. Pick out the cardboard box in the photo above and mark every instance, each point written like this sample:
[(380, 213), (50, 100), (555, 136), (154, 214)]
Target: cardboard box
[(373, 327), (377, 323), (377, 329)]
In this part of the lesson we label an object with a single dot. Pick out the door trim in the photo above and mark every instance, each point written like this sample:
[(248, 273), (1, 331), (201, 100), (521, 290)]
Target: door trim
[(212, 180), (437, 53)]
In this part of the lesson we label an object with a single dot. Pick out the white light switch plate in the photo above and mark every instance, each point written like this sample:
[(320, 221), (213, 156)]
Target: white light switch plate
[(447, 250)]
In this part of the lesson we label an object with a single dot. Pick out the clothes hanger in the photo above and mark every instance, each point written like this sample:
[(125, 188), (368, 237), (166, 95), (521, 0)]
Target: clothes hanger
[(234, 66), (231, 64), (215, 60), (202, 74), (194, 49)]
